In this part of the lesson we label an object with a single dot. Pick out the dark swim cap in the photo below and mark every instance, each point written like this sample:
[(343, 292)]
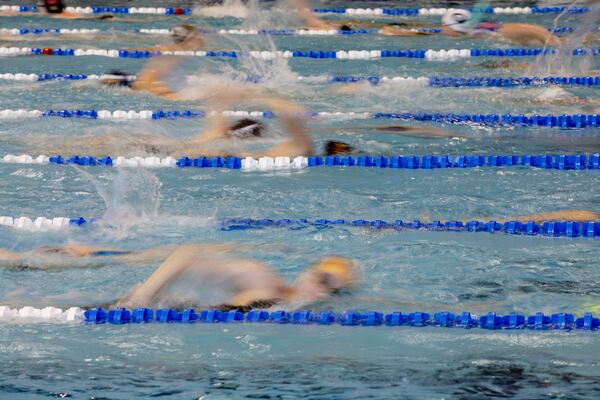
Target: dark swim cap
[(117, 78), (345, 28), (245, 128), (54, 6), (333, 148)]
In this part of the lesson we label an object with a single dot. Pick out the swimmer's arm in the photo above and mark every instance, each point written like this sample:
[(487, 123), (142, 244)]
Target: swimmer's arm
[(77, 250), (9, 257), (417, 131), (182, 259), (394, 31), (151, 78), (524, 33), (300, 143), (398, 129), (144, 257), (565, 215), (217, 126), (312, 21)]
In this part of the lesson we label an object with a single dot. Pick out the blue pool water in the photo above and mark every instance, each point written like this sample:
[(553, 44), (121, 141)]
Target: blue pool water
[(400, 271)]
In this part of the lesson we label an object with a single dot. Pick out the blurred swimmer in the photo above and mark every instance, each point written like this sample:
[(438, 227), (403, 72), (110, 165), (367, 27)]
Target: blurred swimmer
[(456, 23), (459, 23), (222, 136), (242, 284), (564, 215), (185, 38), (314, 22)]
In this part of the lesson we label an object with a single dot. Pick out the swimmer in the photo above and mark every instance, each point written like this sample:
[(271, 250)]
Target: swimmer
[(313, 21), (222, 136), (242, 284), (151, 79), (458, 23), (185, 38), (564, 215), (580, 216)]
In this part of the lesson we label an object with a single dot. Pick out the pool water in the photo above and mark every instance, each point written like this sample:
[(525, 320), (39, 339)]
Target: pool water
[(400, 271)]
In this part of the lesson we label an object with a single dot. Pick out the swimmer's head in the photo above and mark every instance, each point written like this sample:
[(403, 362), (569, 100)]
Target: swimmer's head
[(334, 273), (245, 128), (183, 32), (329, 276), (53, 6), (345, 28), (334, 148), (457, 20), (116, 78)]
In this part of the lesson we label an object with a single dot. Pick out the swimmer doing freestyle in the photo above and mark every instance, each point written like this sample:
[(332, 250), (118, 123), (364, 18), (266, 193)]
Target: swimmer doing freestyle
[(456, 23), (222, 137), (241, 283), (152, 78)]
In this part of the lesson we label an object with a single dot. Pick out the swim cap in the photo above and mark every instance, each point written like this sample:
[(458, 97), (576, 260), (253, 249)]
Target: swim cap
[(54, 6), (117, 78), (335, 273), (333, 148), (345, 28), (456, 19), (245, 128), (183, 32)]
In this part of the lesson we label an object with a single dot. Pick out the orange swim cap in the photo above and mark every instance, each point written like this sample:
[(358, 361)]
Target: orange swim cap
[(336, 272)]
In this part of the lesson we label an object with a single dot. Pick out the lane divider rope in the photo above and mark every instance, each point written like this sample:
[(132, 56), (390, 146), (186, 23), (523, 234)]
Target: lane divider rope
[(350, 11), (427, 54), (491, 321), (434, 81), (105, 10), (571, 229), (573, 121), (442, 10), (576, 162)]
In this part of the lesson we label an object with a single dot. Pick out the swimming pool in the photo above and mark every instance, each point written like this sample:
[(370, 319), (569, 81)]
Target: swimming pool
[(401, 270)]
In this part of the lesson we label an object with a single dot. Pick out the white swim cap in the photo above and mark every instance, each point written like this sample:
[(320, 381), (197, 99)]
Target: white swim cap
[(457, 19)]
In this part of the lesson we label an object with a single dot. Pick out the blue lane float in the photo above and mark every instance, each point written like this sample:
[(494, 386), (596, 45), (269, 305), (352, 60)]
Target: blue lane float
[(571, 229), (107, 10), (549, 228), (574, 162), (407, 12), (412, 12), (490, 321)]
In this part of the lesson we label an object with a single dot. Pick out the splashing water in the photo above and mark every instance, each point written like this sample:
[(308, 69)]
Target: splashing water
[(230, 8), (132, 201), (563, 62)]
